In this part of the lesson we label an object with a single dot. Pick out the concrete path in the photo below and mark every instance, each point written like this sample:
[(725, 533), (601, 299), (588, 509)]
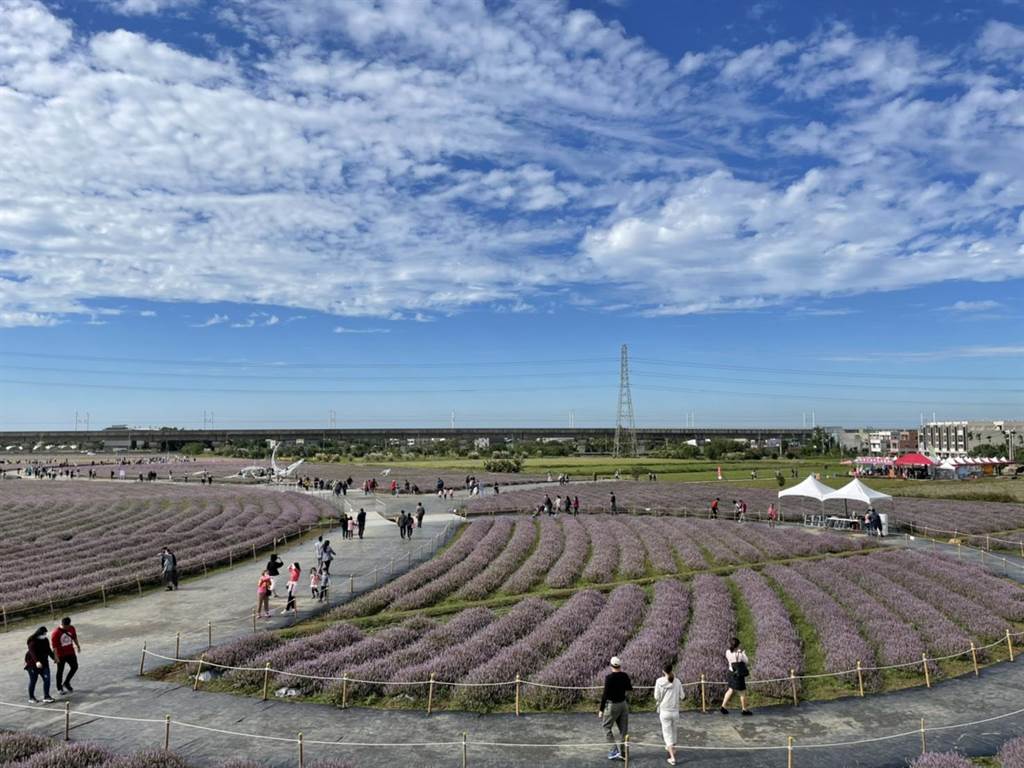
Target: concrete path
[(108, 685)]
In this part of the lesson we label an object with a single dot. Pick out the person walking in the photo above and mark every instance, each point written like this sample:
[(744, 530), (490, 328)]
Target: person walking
[(714, 509), (420, 512), (668, 692), (318, 550), (168, 569), (614, 711), (361, 521), (575, 506), (351, 527), (612, 502), (314, 581), (274, 565), (294, 572), (263, 595), (66, 648), (37, 664), (329, 554), (739, 669), (773, 515)]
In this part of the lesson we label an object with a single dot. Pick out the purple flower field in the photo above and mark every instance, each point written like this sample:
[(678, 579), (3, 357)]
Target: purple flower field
[(108, 534), (694, 499)]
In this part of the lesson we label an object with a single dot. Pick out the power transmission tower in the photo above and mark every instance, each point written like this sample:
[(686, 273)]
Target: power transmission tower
[(625, 426)]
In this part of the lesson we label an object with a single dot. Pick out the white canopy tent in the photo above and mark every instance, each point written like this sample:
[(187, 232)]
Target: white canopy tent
[(855, 490), (809, 488)]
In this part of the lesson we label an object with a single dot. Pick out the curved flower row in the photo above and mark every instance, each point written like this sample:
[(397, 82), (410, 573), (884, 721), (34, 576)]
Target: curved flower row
[(523, 537), (711, 627), (549, 547), (604, 550), (658, 640), (569, 566), (778, 647)]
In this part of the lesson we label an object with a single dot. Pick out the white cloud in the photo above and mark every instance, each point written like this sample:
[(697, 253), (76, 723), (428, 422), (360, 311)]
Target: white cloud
[(36, 319), (147, 313), (343, 329), (423, 158), (214, 319), (974, 306), (1000, 40), (142, 7), (951, 353)]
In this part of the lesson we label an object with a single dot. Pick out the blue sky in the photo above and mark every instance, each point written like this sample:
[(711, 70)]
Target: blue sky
[(392, 210)]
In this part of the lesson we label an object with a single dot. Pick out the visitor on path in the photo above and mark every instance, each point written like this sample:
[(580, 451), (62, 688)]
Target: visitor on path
[(668, 692), (741, 510), (263, 587), (714, 509), (168, 569), (613, 503), (773, 515), (614, 711), (314, 582), (343, 524), (329, 554), (410, 524), (274, 565), (37, 664), (420, 512), (325, 583), (575, 506), (318, 550), (738, 671), (401, 523), (66, 647), (351, 527), (361, 521), (294, 572)]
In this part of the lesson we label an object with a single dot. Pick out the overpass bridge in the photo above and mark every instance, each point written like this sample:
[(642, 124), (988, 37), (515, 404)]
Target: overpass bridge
[(169, 439)]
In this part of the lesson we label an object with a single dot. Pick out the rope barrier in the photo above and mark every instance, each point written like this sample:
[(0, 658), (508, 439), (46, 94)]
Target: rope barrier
[(520, 681), (525, 745)]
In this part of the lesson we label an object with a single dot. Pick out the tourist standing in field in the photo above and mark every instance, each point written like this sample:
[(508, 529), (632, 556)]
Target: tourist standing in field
[(613, 503), (739, 669), (714, 509), (263, 595), (668, 692), (773, 515), (66, 647), (614, 711), (274, 565), (37, 664), (361, 521)]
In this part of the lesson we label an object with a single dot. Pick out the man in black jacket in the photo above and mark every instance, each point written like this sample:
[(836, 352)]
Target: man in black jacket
[(274, 565), (361, 521), (614, 711)]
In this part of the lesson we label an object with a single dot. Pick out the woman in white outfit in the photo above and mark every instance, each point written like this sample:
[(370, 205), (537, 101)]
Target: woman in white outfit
[(668, 692)]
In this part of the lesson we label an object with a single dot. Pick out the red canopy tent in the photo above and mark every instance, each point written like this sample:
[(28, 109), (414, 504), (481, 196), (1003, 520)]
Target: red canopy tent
[(913, 460)]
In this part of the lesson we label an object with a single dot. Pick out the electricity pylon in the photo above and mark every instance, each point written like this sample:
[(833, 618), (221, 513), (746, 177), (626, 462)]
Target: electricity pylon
[(625, 427)]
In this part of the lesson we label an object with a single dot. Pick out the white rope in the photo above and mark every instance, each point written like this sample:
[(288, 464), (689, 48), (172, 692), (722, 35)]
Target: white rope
[(586, 744)]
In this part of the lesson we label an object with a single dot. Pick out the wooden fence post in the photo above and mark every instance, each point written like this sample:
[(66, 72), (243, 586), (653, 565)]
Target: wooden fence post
[(209, 634), (974, 658), (430, 694), (518, 682), (199, 671), (344, 690), (924, 747), (703, 694), (465, 756), (927, 677), (167, 732), (103, 592), (351, 585), (142, 664), (625, 749), (67, 721), (792, 686), (177, 645), (789, 752), (138, 583), (860, 678), (4, 609), (253, 619), (1009, 644), (266, 679)]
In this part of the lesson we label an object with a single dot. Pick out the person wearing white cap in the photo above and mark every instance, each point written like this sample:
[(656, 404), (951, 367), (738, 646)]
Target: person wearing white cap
[(668, 692), (614, 711)]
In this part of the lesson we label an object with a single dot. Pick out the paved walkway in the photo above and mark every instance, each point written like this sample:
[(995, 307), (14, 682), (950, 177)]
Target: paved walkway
[(108, 684)]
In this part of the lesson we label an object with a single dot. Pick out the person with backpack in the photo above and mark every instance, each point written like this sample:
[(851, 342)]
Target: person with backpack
[(274, 565), (739, 670), (668, 693), (614, 711), (37, 664), (66, 648)]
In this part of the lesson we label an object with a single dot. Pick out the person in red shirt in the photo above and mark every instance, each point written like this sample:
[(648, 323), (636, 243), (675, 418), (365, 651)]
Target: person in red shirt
[(66, 648), (263, 595)]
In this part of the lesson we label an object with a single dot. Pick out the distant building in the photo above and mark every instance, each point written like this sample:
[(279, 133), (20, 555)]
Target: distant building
[(946, 439)]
